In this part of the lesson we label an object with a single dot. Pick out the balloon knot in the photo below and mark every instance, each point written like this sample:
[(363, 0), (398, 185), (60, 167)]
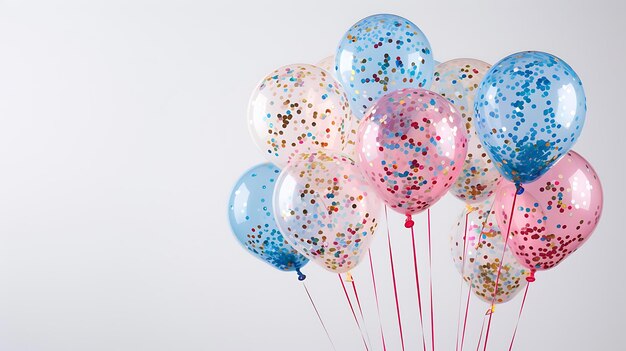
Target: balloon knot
[(409, 222), (469, 208), (520, 188), (349, 278), (301, 276), (531, 277)]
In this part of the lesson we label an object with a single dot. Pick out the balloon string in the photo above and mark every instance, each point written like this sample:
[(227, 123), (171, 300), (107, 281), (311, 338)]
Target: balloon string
[(521, 309), (495, 290), (482, 329), (467, 303), (417, 285), (458, 323), (380, 323), (358, 302), (393, 277), (319, 316), (430, 280), (352, 309)]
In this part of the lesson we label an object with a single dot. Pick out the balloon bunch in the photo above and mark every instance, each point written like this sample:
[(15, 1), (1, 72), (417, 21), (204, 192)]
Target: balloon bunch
[(381, 120)]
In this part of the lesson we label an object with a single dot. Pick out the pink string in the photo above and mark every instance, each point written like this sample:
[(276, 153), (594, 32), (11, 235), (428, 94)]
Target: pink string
[(482, 329), (382, 334), (467, 303), (353, 313), (393, 277), (417, 280), (458, 324), (358, 302), (319, 316), (495, 292), (521, 309), (469, 291), (430, 280)]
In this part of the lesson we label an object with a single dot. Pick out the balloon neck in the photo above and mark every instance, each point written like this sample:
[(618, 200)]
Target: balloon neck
[(531, 277), (349, 278), (301, 276), (520, 188), (491, 310), (469, 208), (409, 222)]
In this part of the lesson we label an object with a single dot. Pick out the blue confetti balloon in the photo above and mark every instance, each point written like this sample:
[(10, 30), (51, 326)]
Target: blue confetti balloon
[(530, 109), (380, 54), (252, 219)]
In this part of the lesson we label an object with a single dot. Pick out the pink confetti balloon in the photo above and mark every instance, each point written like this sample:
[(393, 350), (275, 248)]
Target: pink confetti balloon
[(326, 210), (554, 215), (411, 147), (298, 109)]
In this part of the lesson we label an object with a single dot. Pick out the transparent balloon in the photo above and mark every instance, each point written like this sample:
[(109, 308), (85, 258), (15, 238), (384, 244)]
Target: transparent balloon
[(411, 148), (530, 110), (458, 80), (477, 249), (328, 64), (252, 219), (554, 215), (326, 210), (298, 109), (379, 54)]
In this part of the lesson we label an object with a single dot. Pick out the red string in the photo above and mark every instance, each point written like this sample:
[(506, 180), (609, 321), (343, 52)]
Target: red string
[(319, 316), (382, 335), (458, 323), (417, 285), (393, 277), (495, 292), (358, 302), (430, 280), (467, 303), (482, 329), (519, 316), (352, 309)]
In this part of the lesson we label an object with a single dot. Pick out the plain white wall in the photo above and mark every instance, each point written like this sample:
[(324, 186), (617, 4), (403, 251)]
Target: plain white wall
[(122, 129)]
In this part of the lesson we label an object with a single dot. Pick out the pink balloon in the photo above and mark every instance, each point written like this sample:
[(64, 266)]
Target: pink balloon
[(411, 146), (554, 215)]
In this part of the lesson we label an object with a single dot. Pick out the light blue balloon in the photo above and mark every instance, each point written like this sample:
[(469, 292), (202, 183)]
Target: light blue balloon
[(380, 54), (530, 110), (252, 219)]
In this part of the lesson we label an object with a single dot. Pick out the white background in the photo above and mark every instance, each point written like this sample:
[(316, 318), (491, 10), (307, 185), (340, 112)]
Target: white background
[(122, 129)]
